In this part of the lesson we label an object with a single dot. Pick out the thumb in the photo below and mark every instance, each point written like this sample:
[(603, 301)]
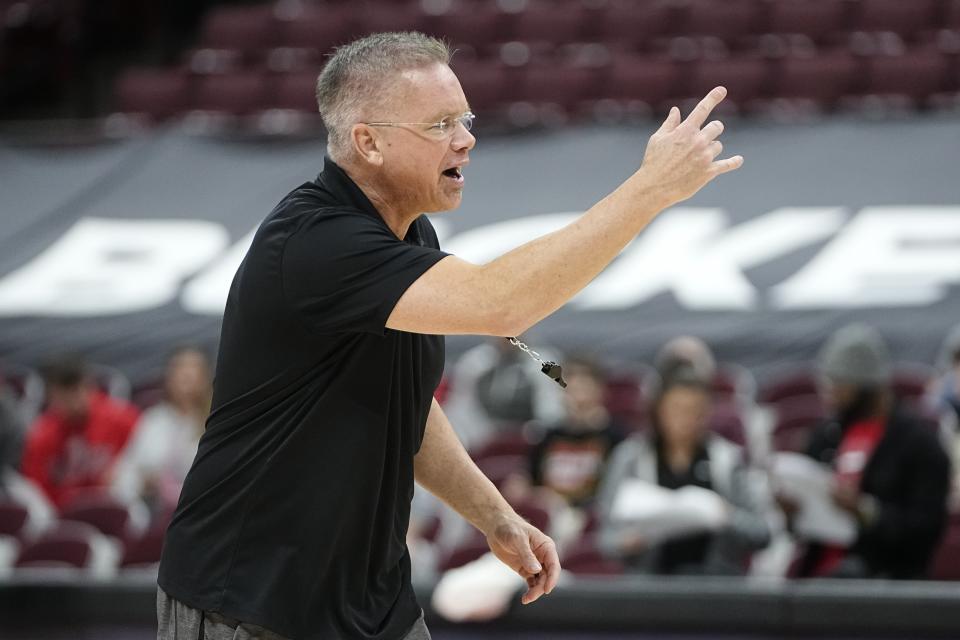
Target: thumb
[(673, 119), (530, 562)]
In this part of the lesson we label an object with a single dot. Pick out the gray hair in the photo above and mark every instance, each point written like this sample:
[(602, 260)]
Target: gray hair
[(355, 74)]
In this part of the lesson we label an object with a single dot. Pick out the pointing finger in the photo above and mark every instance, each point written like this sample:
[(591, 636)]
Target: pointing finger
[(700, 113)]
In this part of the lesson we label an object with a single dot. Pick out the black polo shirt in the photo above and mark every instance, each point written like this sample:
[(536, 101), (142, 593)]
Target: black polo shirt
[(294, 514)]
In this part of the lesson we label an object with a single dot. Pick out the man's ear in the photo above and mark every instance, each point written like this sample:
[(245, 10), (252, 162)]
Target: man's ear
[(366, 143)]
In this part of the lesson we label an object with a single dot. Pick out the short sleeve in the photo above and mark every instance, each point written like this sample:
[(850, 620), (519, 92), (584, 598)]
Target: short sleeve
[(344, 270)]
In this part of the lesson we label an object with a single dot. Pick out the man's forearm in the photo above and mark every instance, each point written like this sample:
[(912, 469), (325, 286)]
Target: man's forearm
[(535, 279), (443, 467)]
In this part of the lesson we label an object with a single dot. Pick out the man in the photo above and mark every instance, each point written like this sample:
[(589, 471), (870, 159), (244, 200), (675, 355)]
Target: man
[(292, 518), (891, 473), (73, 445)]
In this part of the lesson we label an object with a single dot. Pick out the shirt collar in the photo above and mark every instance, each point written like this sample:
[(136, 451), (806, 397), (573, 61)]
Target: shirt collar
[(342, 187)]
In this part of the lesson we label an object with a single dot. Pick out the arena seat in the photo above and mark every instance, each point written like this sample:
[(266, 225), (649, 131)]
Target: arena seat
[(294, 91), (734, 381), (316, 27), (122, 521), (631, 77), (946, 561), (634, 23), (550, 23), (463, 554), (71, 545), (144, 552), (157, 94), (917, 74), (799, 382), (910, 381), (505, 444), (13, 519), (585, 558), (796, 418), (745, 77), (813, 18), (500, 468), (728, 20), (247, 28), (624, 399), (483, 83), (379, 17), (726, 421), (904, 18), (560, 85), (952, 15), (238, 93), (475, 25), (823, 79)]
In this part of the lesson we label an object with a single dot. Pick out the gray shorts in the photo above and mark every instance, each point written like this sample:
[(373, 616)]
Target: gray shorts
[(177, 621)]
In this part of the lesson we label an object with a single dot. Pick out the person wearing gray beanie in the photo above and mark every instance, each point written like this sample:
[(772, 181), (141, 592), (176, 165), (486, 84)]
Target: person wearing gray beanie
[(890, 471)]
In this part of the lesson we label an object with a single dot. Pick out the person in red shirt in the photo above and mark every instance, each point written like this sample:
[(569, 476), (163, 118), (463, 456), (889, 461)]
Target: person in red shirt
[(73, 444)]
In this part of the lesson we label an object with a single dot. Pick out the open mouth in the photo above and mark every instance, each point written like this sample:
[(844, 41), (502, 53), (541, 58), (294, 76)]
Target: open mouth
[(454, 172)]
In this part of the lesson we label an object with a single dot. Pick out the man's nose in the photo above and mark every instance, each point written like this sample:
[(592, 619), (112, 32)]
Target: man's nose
[(462, 139)]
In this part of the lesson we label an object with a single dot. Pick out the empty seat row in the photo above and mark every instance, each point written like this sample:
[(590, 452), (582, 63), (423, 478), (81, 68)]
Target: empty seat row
[(478, 23), (823, 79)]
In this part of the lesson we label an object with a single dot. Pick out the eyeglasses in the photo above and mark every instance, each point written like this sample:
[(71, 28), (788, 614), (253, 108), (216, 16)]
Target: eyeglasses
[(438, 130)]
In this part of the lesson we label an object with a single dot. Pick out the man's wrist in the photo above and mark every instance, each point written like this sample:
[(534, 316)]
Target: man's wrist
[(496, 517)]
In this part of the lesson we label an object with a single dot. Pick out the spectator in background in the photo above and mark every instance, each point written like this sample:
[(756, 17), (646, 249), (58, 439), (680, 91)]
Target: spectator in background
[(891, 473), (686, 351), (679, 451), (164, 442), (569, 460), (496, 387), (944, 391), (73, 444), (13, 486)]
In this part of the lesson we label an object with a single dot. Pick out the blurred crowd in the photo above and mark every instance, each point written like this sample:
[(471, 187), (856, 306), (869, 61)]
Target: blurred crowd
[(683, 466)]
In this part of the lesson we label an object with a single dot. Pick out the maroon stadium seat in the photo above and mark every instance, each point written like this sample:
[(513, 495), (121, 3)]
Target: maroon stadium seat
[(585, 558), (745, 77), (13, 518), (798, 382), (727, 422), (476, 26), (910, 381), (156, 93), (624, 399), (534, 513), (380, 17), (729, 19), (464, 554), (651, 81), (813, 18), (562, 85), (233, 93), (917, 74), (823, 79), (245, 28), (111, 517), (294, 91), (144, 551), (483, 83), (635, 23), (506, 444), (318, 27), (68, 544), (899, 16), (952, 15), (500, 468), (796, 418), (550, 23), (946, 561)]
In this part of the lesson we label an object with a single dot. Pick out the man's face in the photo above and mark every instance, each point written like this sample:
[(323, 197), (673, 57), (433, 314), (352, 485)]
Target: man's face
[(418, 161)]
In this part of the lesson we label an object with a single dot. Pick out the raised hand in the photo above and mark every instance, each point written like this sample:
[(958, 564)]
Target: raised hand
[(681, 156)]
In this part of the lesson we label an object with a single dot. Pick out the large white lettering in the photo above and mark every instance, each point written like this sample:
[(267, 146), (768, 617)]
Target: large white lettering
[(886, 256), (207, 293), (687, 252), (108, 266)]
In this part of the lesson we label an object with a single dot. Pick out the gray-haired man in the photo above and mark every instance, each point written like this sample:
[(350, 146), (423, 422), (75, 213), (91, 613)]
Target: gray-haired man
[(293, 518)]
